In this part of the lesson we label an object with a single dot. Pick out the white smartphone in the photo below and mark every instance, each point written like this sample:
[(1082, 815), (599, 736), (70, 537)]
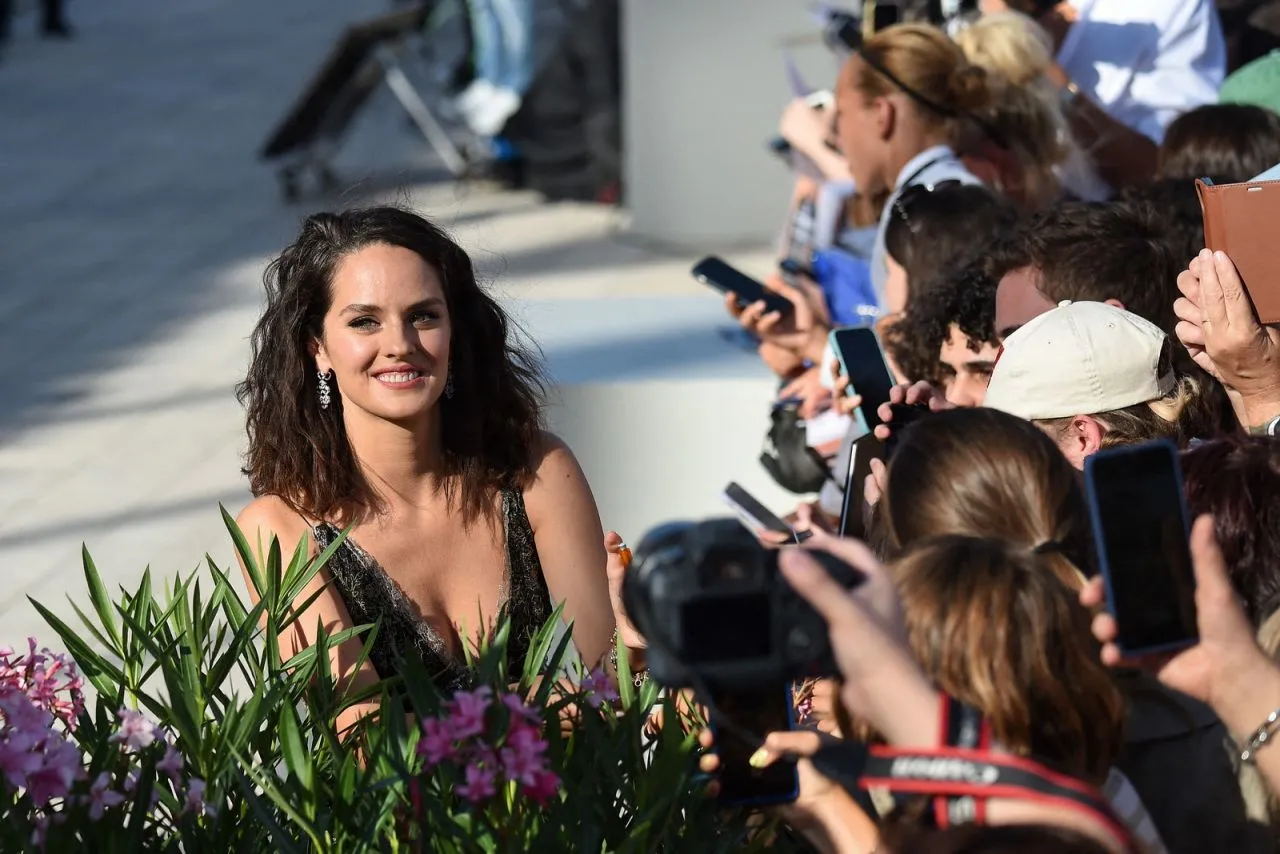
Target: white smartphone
[(756, 517)]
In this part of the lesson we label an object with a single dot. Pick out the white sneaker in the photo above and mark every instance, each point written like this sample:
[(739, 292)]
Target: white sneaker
[(490, 116), (476, 93)]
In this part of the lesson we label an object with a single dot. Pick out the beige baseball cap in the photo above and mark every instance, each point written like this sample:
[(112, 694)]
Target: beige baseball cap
[(1081, 358)]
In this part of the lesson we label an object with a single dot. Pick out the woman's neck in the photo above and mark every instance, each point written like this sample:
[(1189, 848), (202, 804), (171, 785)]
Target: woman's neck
[(399, 460), (911, 144)]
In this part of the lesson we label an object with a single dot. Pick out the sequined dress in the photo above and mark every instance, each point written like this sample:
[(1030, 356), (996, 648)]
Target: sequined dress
[(369, 593)]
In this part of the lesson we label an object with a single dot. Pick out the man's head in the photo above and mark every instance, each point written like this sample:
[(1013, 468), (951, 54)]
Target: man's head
[(1085, 252), (948, 335), (1094, 376)]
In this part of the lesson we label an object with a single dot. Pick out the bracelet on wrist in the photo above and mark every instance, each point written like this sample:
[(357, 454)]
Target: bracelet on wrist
[(1261, 737)]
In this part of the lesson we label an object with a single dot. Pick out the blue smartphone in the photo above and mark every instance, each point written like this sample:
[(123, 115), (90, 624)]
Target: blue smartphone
[(758, 712), (862, 360), (1142, 536)]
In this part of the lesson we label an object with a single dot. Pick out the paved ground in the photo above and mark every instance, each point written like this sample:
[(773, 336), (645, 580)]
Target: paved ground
[(134, 225)]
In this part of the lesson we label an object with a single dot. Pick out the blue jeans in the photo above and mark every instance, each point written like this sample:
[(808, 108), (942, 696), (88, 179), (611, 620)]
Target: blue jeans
[(503, 33)]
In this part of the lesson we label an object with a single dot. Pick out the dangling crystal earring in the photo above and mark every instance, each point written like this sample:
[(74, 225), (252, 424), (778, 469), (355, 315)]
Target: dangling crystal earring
[(448, 385), (322, 380)]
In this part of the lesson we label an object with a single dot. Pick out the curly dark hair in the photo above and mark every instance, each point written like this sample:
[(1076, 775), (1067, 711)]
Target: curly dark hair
[(964, 297), (300, 452), (1238, 481)]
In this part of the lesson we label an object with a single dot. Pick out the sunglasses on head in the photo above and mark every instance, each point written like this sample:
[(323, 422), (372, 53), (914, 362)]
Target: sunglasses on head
[(914, 193)]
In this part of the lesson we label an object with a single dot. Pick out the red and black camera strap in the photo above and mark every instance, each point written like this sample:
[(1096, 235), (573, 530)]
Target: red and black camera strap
[(963, 774)]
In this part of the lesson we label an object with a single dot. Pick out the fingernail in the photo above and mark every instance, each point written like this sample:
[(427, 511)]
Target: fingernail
[(1220, 257), (759, 759)]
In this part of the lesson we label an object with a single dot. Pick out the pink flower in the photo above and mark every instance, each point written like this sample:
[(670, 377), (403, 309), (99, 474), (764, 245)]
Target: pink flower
[(436, 744), (479, 784), (599, 688), (39, 831), (522, 757), (18, 761), (467, 710), (545, 787), (102, 797), (171, 764), (137, 731), (195, 798), (62, 766), (520, 709)]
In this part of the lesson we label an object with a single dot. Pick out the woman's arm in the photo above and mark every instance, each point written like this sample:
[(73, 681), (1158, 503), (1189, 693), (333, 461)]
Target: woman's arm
[(269, 518), (570, 542)]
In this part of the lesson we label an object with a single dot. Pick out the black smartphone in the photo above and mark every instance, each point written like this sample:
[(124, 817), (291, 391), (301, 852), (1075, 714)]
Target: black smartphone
[(863, 361), (791, 267), (904, 415), (1142, 536), (756, 713), (714, 272), (756, 516), (865, 449)]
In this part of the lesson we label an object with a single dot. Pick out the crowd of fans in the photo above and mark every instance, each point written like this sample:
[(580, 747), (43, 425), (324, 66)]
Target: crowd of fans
[(1016, 215), (1010, 203)]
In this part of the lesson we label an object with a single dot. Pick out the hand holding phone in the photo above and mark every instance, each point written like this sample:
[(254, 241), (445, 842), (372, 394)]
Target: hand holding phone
[(756, 517), (1141, 534), (715, 273), (863, 361), (743, 721)]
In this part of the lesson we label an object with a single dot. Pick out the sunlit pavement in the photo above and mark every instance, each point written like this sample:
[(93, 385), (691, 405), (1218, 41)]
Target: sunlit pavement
[(135, 221)]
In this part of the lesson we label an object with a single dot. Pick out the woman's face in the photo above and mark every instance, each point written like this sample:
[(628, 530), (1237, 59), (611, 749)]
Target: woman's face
[(387, 333), (858, 130)]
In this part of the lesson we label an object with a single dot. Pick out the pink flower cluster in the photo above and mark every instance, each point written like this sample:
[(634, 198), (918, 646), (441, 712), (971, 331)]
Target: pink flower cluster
[(39, 691), (41, 699), (467, 736)]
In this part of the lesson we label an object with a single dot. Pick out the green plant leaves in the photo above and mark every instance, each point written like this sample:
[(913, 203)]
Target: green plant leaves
[(263, 731)]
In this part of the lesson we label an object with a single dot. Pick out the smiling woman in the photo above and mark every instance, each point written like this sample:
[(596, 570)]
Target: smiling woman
[(386, 394)]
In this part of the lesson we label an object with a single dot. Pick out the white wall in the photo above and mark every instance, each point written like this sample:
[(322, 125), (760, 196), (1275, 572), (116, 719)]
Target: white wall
[(704, 84), (655, 451)]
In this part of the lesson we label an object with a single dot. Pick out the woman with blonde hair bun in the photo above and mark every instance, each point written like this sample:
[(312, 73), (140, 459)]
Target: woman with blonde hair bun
[(904, 101), (1022, 139)]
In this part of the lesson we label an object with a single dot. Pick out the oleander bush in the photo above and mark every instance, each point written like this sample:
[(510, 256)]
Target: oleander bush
[(173, 723)]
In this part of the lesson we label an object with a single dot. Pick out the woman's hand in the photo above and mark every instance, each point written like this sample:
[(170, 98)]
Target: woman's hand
[(814, 397), (824, 812), (619, 557), (873, 486), (1218, 327), (916, 394), (844, 403), (810, 517), (798, 330)]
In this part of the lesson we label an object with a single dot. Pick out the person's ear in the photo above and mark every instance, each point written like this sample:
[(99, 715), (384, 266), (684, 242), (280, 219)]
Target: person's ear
[(886, 117), (1116, 303), (316, 348), (1090, 431), (1082, 439)]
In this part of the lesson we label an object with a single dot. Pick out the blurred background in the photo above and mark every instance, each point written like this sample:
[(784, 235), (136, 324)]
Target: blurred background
[(137, 214)]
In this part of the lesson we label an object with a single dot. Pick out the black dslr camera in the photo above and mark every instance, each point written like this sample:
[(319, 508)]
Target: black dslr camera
[(845, 31), (716, 611)]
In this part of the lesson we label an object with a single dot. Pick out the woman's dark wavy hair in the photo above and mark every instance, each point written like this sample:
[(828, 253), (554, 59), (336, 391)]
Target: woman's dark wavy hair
[(300, 452)]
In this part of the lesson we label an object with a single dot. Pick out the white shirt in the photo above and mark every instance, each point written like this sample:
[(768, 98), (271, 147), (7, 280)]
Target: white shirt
[(1146, 61), (930, 168)]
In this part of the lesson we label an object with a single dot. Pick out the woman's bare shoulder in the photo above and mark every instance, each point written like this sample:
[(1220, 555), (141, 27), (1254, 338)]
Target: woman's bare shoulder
[(270, 516)]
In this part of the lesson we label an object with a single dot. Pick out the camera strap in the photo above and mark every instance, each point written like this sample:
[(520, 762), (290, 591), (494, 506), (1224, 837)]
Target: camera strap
[(963, 774), (961, 726)]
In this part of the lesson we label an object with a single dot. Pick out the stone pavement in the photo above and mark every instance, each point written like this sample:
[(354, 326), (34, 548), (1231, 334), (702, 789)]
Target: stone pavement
[(135, 221)]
